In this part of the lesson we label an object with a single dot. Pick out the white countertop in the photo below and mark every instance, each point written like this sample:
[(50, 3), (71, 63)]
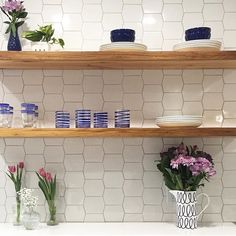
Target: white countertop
[(124, 229)]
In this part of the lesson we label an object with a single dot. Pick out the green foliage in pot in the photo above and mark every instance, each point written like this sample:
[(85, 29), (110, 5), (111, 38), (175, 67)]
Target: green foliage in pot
[(43, 34)]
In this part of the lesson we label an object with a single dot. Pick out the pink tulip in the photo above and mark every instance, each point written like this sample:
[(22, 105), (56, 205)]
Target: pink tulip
[(12, 169), (49, 177), (21, 165), (42, 172)]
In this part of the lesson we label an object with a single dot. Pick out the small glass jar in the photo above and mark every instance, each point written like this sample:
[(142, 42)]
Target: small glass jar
[(28, 106), (30, 219), (4, 106), (9, 119), (28, 118), (36, 116), (4, 118)]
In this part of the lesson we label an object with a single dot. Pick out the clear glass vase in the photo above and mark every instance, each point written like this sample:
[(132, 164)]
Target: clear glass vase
[(52, 213), (17, 212), (30, 219)]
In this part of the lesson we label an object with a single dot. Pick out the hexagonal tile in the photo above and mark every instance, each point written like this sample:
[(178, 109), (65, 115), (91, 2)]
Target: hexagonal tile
[(33, 93), (32, 7), (14, 154), (109, 6), (54, 154), (114, 213), (152, 179), (133, 101), (152, 93), (88, 101), (113, 162), (152, 213), (89, 32), (74, 213), (133, 154), (72, 93), (49, 102), (112, 93), (133, 188), (94, 205), (72, 22), (73, 145), (213, 101), (74, 196), (172, 84), (133, 171), (93, 188), (133, 205), (111, 21), (34, 161), (152, 196), (150, 6), (93, 170), (52, 13), (192, 92), (113, 179), (193, 6), (34, 146), (209, 11), (93, 154), (172, 101), (13, 84), (113, 196), (172, 12), (113, 145), (74, 179), (92, 12), (74, 162)]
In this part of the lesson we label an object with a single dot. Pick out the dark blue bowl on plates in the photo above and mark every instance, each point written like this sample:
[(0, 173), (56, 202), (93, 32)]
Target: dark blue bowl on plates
[(198, 33), (122, 35)]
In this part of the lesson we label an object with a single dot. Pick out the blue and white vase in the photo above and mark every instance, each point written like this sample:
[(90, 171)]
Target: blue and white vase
[(14, 42)]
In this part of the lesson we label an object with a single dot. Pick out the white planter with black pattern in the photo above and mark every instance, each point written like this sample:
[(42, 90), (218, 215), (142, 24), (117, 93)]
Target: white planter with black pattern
[(186, 210)]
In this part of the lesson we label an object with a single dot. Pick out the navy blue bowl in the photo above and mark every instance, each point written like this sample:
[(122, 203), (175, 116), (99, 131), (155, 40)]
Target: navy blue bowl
[(198, 33), (122, 35)]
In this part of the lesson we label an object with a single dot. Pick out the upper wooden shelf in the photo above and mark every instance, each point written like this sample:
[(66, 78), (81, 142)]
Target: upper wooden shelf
[(117, 60), (115, 132)]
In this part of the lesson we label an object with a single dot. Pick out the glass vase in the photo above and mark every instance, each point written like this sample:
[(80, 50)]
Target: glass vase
[(52, 213), (14, 42), (17, 212), (30, 219)]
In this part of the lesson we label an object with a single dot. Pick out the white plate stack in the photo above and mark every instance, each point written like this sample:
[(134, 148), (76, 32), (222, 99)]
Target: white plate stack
[(198, 45), (123, 46), (179, 121)]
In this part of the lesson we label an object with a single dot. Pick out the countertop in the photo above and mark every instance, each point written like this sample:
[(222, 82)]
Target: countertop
[(124, 229)]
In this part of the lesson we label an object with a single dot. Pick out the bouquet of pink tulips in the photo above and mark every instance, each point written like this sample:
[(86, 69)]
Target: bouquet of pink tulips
[(48, 186), (15, 174)]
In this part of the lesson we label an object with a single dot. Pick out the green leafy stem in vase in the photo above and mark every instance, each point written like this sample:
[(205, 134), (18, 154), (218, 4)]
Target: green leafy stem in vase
[(43, 34), (48, 186)]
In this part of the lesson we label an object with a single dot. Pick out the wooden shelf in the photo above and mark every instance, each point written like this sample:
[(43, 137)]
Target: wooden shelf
[(117, 60), (115, 132)]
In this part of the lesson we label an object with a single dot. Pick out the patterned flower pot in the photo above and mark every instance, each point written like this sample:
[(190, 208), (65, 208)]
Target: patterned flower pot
[(186, 212)]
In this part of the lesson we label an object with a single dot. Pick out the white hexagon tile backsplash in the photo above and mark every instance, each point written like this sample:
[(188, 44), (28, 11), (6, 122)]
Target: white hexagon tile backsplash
[(115, 179)]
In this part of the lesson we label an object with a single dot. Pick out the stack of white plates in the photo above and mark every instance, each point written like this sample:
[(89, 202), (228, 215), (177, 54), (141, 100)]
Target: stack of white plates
[(123, 46), (179, 120), (198, 45)]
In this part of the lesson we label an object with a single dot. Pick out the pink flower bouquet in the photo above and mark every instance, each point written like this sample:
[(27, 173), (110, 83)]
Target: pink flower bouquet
[(185, 168), (47, 184), (15, 12), (15, 174)]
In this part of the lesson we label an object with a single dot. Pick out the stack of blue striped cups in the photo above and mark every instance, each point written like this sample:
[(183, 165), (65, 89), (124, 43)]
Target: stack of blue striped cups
[(29, 113), (62, 119), (122, 119), (6, 115), (100, 120), (82, 118)]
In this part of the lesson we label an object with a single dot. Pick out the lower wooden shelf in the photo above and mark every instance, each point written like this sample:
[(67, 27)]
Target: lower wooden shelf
[(116, 132)]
